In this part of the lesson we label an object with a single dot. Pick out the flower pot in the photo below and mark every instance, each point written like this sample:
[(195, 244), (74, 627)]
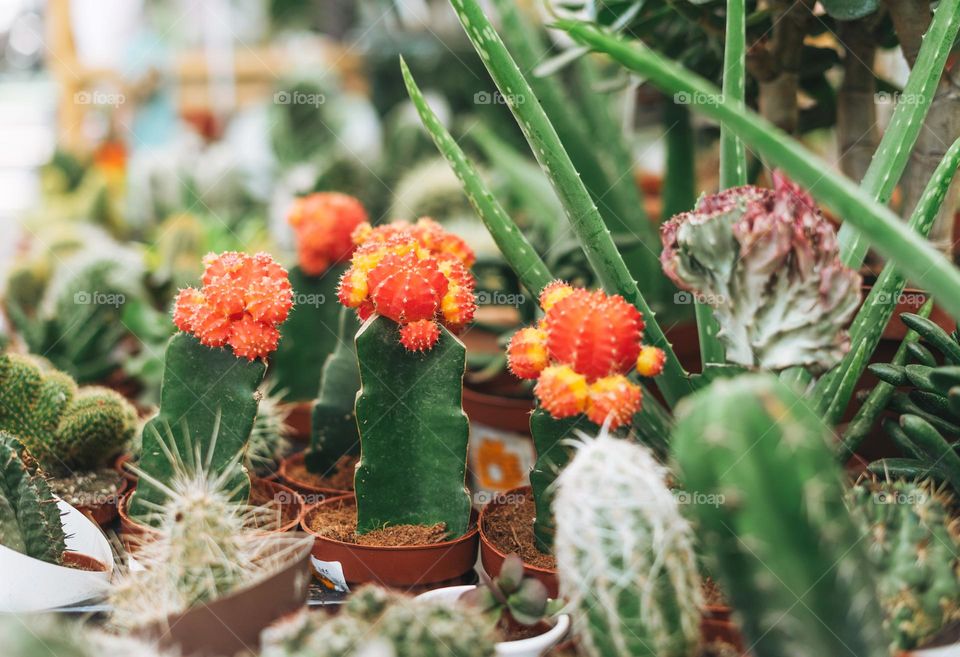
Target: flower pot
[(405, 567), (299, 420), (232, 624), (531, 647), (121, 464), (714, 630), (501, 452), (104, 512), (492, 557), (31, 585), (311, 493)]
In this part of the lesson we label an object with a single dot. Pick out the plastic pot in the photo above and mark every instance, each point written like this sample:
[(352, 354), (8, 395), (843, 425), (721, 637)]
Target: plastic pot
[(531, 647), (311, 493), (299, 419), (406, 567), (492, 557)]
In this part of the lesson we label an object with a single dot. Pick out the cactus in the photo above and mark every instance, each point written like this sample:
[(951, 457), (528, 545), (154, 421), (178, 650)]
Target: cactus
[(209, 393), (269, 442), (323, 223), (43, 636), (406, 280), (767, 263), (915, 542), (625, 554), (769, 503), (29, 516), (525, 599), (375, 619), (64, 427)]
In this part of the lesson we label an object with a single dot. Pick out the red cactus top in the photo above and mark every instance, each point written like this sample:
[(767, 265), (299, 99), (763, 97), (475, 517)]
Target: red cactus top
[(581, 352), (242, 301), (416, 275), (323, 223)]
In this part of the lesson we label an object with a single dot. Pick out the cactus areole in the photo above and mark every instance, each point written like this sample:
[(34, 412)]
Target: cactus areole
[(768, 263)]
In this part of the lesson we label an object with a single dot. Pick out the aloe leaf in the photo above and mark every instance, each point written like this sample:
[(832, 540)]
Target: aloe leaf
[(584, 217), (517, 250), (920, 261), (733, 156)]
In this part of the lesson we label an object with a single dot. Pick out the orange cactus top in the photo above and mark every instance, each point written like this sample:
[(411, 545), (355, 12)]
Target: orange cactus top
[(416, 275), (242, 301), (581, 352), (324, 223)]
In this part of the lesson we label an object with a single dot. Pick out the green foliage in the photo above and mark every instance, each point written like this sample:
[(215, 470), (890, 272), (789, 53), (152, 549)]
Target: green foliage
[(413, 432), (847, 10), (29, 516), (772, 521), (44, 636)]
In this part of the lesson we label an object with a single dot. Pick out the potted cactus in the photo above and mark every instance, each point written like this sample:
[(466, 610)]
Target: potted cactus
[(409, 521), (322, 223)]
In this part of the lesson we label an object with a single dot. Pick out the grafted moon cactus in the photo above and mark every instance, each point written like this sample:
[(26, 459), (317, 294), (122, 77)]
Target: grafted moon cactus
[(768, 263), (323, 223)]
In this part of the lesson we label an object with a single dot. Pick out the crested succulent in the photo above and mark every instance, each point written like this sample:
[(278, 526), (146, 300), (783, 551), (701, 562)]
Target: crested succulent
[(914, 540), (625, 554), (210, 393), (767, 263), (769, 506), (323, 223), (29, 516), (525, 599), (65, 427), (374, 619), (405, 280)]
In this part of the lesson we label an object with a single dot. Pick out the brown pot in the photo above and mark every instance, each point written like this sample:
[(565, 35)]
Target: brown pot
[(120, 465), (232, 624), (105, 513), (721, 631), (412, 568), (492, 557), (82, 561), (311, 493), (498, 411), (299, 419)]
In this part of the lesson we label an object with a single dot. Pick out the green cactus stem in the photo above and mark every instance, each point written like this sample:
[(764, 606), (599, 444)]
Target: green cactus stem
[(29, 516), (625, 554), (309, 335), (413, 432), (771, 516), (208, 401), (334, 420)]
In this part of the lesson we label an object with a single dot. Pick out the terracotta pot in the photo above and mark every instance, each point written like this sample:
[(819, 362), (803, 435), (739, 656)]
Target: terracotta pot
[(232, 624), (498, 411), (406, 567), (492, 557), (713, 630), (120, 465), (105, 512), (82, 561), (311, 493), (299, 420)]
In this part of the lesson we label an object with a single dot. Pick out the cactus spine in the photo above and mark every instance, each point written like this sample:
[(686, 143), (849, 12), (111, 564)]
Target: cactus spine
[(625, 554), (772, 517), (29, 516), (915, 543)]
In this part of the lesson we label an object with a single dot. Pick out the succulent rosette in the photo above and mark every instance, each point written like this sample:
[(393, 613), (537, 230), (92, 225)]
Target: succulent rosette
[(414, 274), (242, 301), (581, 352), (768, 263), (324, 223)]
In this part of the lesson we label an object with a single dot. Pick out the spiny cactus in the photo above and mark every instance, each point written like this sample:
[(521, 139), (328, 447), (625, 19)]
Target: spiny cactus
[(209, 394), (374, 618), (42, 636), (29, 516), (269, 442), (413, 430), (767, 262), (625, 554), (64, 427), (768, 499), (914, 540)]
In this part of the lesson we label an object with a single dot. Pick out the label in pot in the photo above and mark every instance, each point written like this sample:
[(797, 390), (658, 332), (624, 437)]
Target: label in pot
[(499, 461)]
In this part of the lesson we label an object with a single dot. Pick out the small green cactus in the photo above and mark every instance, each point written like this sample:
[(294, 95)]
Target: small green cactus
[(64, 427), (29, 516), (769, 500), (372, 617), (625, 554), (525, 599), (915, 542)]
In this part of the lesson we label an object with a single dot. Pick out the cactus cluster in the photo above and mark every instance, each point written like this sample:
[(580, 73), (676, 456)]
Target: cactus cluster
[(914, 541), (29, 516), (767, 262), (65, 427), (625, 555), (375, 619), (768, 497), (525, 599), (41, 636)]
